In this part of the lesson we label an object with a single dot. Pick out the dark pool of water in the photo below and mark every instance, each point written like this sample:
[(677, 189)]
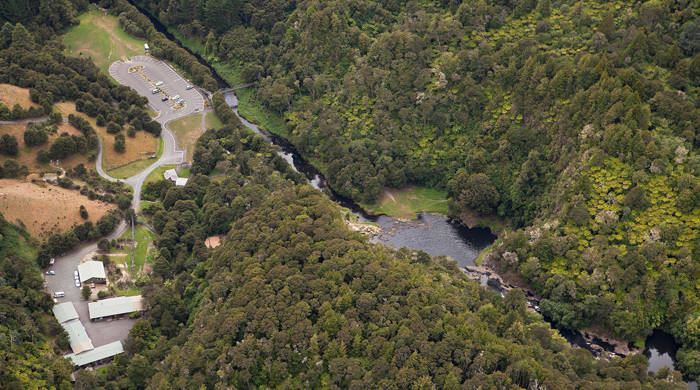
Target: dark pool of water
[(660, 348)]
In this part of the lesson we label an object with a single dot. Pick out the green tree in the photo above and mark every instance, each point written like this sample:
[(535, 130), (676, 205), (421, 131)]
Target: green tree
[(87, 292), (477, 193), (21, 38), (9, 145)]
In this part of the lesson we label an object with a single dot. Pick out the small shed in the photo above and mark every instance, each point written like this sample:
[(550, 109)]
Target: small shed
[(92, 272), (180, 182)]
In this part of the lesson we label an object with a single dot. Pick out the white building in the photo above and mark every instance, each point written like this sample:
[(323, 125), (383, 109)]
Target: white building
[(114, 307), (92, 272)]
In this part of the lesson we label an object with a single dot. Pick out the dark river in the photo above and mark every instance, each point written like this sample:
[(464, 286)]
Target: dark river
[(434, 234)]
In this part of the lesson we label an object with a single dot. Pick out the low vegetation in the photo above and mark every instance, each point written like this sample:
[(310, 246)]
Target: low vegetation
[(187, 130), (406, 203)]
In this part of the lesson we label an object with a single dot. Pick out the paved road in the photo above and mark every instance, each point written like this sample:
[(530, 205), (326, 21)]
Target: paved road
[(173, 85), (28, 120)]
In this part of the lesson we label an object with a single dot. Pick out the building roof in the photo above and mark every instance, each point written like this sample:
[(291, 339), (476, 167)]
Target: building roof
[(170, 174), (78, 338), (65, 312), (91, 269), (99, 353), (180, 182), (114, 306)]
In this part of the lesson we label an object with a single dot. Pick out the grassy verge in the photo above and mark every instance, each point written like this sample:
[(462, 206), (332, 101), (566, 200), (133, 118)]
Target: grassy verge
[(187, 130), (255, 111), (406, 203), (143, 237), (151, 113), (101, 38), (131, 169), (212, 121), (159, 148), (486, 252), (157, 174)]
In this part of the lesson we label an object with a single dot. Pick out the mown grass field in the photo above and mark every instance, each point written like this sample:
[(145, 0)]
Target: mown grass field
[(406, 203), (142, 255), (101, 38), (212, 121), (187, 130), (157, 174)]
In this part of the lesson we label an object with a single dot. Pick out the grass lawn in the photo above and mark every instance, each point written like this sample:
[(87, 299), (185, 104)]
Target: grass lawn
[(256, 112), (151, 113), (130, 292), (184, 172), (407, 202), (101, 38), (131, 169), (157, 174), (187, 130), (212, 121), (143, 237)]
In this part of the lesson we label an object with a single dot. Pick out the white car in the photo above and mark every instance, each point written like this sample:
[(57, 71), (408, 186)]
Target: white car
[(50, 273), (52, 261), (77, 283), (189, 87), (158, 84), (75, 273)]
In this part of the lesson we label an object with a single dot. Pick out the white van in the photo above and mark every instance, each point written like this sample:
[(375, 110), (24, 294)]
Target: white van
[(59, 294)]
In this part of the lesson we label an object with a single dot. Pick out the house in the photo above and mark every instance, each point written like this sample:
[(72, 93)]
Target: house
[(92, 272), (65, 312), (77, 336), (112, 307), (171, 175), (97, 355)]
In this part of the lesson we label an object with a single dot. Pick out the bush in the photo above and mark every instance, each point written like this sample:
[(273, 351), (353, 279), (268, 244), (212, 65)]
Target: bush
[(119, 143), (113, 128), (102, 294)]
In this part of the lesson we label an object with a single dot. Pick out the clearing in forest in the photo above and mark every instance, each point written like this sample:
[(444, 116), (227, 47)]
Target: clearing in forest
[(407, 202), (11, 95), (46, 209), (187, 130), (27, 155), (137, 147), (101, 38)]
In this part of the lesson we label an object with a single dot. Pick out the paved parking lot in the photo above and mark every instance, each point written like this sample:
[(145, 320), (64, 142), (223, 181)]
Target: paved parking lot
[(173, 85)]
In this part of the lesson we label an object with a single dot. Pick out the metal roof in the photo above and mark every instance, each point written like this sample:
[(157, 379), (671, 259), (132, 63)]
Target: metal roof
[(114, 306), (65, 312), (77, 336), (91, 269), (180, 182), (170, 174), (99, 353)]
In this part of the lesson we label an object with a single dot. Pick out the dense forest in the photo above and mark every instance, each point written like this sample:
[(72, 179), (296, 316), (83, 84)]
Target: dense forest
[(573, 121), (576, 122), (293, 299)]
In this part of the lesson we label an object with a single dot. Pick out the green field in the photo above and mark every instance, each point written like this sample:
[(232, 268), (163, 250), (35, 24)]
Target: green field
[(157, 174), (187, 130), (212, 121), (131, 169), (143, 237), (406, 203), (256, 112), (101, 38)]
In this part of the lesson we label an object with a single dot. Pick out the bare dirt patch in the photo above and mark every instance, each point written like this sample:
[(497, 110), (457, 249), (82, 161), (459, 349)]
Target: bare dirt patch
[(213, 241), (45, 210), (27, 156), (11, 95), (136, 147)]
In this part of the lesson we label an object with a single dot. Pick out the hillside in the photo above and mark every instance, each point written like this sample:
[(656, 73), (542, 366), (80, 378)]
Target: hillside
[(575, 122)]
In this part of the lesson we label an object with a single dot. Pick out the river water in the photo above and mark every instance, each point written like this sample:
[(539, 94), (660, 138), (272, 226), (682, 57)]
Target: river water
[(434, 234)]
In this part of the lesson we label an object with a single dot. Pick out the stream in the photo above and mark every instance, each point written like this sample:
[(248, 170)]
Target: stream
[(432, 233)]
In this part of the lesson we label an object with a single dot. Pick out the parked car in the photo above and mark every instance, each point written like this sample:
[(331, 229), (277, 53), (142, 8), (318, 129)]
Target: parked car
[(158, 84), (164, 99), (75, 273), (189, 87), (52, 261), (176, 97), (77, 283), (59, 294), (50, 273), (155, 91)]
